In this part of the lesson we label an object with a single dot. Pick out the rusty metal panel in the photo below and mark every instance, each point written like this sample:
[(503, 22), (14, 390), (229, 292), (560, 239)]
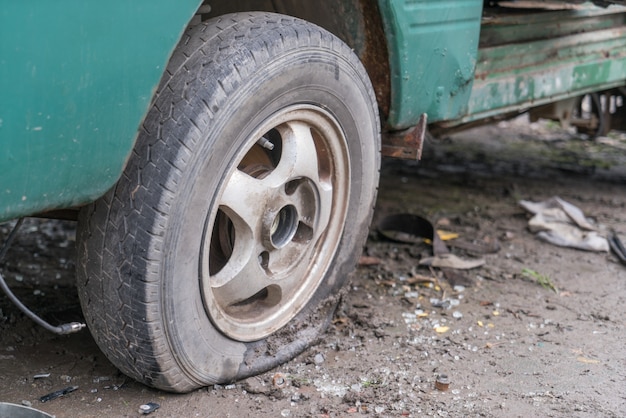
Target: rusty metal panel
[(533, 59), (406, 144)]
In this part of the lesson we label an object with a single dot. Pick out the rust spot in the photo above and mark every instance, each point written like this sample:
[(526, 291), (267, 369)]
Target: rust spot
[(374, 56), (279, 380), (406, 144)]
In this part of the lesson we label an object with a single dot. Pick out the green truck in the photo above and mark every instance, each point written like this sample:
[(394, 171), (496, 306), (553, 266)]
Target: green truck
[(222, 158)]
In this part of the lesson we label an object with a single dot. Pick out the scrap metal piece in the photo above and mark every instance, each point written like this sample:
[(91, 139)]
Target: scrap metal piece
[(442, 383), (406, 144), (58, 393), (148, 408), (279, 380), (405, 227)]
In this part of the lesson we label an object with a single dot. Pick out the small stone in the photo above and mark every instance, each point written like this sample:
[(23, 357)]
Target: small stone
[(256, 385)]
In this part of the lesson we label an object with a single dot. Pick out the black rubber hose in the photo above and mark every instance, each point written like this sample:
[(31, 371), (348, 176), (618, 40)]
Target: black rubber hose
[(61, 329)]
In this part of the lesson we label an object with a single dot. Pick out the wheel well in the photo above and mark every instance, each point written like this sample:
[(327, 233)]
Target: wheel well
[(356, 22)]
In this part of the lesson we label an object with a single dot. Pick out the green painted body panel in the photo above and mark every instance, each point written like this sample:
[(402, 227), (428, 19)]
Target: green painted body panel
[(547, 57), (76, 78), (432, 51)]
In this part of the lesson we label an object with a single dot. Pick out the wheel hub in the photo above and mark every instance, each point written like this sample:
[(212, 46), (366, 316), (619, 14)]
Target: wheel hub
[(281, 230), (272, 239)]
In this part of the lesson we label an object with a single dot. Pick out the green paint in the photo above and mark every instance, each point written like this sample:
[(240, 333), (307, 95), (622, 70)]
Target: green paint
[(77, 76), (586, 53), (76, 79), (432, 51)]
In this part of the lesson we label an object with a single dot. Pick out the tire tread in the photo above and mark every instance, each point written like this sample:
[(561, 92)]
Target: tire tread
[(120, 238)]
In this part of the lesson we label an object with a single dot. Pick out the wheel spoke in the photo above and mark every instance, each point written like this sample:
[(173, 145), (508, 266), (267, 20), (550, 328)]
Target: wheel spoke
[(300, 159), (314, 206), (242, 201), (282, 267), (299, 155), (238, 281)]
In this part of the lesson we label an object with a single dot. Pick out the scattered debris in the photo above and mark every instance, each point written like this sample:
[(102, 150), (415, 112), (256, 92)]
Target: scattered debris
[(487, 245), (442, 382), (369, 261), (414, 229), (58, 393), (411, 228), (319, 359), (452, 261), (148, 408), (446, 303), (279, 380), (256, 385), (561, 223)]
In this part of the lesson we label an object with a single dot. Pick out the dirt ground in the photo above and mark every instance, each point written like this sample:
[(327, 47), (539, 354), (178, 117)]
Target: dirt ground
[(509, 346)]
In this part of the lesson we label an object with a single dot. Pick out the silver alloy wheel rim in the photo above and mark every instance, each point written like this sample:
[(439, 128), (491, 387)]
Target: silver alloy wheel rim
[(279, 221)]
